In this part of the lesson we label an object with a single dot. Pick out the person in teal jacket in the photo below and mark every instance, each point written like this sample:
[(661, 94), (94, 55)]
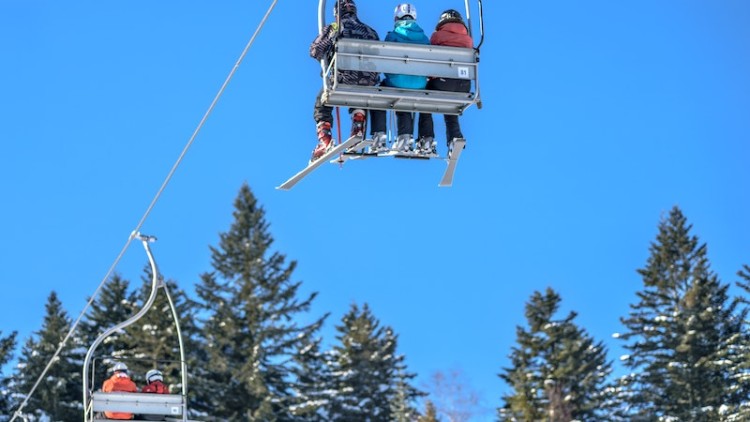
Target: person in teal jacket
[(406, 30)]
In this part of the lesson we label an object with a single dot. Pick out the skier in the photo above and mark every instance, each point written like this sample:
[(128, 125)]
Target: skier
[(154, 384), (321, 49), (405, 30), (119, 382), (450, 31)]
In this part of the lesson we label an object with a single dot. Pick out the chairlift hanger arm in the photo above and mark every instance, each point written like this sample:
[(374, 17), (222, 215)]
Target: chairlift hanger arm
[(481, 25), (481, 22), (155, 283)]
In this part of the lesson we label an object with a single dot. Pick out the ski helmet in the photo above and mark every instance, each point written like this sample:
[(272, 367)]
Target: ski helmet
[(449, 15), (120, 367), (346, 6), (153, 375), (405, 11)]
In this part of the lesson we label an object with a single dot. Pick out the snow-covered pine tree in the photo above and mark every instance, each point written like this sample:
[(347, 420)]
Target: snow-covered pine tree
[(251, 327), (744, 284), (403, 403), (677, 330), (58, 396), (115, 304), (558, 373), (312, 390), (7, 345), (366, 368), (738, 353)]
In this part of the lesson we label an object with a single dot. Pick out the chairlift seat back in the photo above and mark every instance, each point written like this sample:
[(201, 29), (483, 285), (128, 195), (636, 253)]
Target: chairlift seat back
[(139, 403), (403, 58)]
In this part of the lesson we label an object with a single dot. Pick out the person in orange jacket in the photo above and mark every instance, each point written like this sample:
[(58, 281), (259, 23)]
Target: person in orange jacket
[(450, 31), (119, 382)]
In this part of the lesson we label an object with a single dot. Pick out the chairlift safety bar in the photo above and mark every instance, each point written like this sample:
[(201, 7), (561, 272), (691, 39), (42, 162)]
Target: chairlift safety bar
[(401, 58)]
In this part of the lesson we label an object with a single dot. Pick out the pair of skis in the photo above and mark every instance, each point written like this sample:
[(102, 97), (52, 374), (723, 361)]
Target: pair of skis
[(358, 142)]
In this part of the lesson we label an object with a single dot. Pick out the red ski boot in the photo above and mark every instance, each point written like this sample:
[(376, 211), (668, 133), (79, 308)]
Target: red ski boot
[(325, 141)]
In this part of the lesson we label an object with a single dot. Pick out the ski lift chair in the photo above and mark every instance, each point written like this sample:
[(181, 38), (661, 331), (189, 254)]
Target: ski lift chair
[(173, 407), (401, 58)]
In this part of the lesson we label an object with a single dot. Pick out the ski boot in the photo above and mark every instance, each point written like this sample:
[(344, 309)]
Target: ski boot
[(378, 143), (404, 143), (359, 120), (325, 140), (427, 146)]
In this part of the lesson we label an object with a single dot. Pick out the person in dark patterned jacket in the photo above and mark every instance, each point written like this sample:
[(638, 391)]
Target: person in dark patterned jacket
[(322, 49)]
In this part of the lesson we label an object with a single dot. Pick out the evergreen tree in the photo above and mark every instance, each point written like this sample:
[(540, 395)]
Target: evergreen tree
[(402, 405), (7, 345), (738, 354), (744, 283), (558, 372), (678, 331), (366, 369), (58, 396), (312, 391), (115, 304), (250, 329)]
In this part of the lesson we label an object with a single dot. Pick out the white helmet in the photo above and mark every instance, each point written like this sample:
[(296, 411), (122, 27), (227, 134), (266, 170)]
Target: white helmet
[(403, 10), (120, 367), (153, 375)]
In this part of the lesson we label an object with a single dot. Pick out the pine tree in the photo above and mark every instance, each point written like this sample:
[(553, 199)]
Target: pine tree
[(312, 391), (58, 396), (115, 304), (738, 354), (558, 372), (366, 369), (402, 404), (7, 345), (250, 329), (678, 330)]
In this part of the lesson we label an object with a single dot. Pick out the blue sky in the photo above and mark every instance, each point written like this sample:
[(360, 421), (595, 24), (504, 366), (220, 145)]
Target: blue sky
[(598, 117)]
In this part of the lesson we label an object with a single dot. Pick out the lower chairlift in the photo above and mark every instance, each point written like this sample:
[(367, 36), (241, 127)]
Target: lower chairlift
[(167, 407)]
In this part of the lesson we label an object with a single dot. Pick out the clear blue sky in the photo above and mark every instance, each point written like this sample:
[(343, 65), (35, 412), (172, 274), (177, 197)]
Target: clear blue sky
[(598, 117)]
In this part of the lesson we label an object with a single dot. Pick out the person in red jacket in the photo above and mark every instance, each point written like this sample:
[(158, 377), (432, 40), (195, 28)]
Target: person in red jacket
[(450, 31), (119, 382), (154, 384)]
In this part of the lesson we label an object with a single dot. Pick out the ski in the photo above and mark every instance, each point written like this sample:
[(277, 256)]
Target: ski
[(454, 154), (414, 155), (354, 140), (347, 156), (362, 155)]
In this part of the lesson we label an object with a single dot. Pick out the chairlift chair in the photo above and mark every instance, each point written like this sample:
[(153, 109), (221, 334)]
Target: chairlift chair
[(173, 407), (401, 58)]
